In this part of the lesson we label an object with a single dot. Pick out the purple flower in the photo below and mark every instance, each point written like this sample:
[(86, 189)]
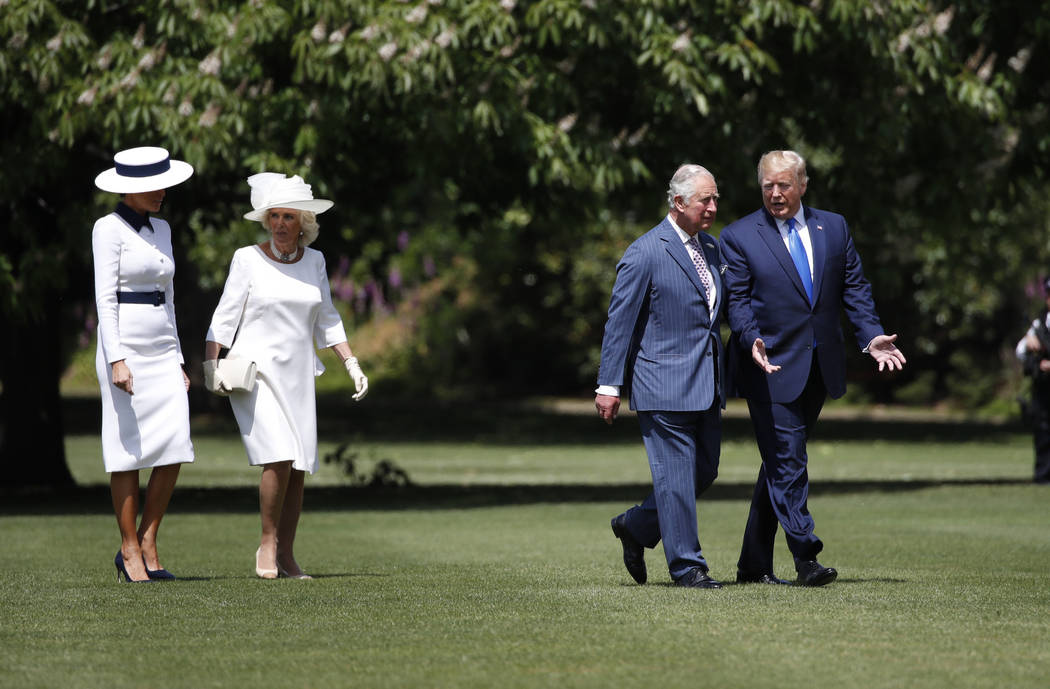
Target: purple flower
[(89, 328), (394, 279), (429, 269), (344, 289), (402, 240), (375, 293)]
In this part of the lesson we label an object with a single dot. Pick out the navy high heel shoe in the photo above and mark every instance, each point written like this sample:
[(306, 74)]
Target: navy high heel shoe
[(158, 574), (121, 569)]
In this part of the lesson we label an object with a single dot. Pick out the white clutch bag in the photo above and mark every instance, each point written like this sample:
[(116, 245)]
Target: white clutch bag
[(237, 373)]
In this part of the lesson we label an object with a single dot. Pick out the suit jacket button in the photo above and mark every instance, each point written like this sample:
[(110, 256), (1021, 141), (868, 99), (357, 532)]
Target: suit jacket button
[(708, 353)]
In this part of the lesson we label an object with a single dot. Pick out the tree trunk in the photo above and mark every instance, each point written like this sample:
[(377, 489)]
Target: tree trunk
[(32, 449)]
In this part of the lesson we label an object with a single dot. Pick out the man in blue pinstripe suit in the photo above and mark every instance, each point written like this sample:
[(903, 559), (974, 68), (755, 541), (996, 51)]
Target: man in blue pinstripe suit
[(662, 348)]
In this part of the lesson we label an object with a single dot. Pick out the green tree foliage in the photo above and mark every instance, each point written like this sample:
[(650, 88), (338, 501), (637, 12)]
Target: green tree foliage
[(490, 160)]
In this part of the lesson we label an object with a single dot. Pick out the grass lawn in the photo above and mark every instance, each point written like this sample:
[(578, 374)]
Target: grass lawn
[(498, 568)]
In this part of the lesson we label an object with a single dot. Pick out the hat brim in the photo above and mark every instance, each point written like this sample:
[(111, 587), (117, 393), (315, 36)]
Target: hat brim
[(110, 181), (313, 205)]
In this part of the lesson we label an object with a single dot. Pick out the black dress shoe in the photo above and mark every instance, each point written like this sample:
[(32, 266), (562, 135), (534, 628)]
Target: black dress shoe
[(762, 579), (633, 553), (697, 578), (812, 573)]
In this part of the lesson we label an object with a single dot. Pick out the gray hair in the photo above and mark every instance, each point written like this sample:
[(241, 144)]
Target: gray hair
[(778, 161), (683, 183), (307, 225)]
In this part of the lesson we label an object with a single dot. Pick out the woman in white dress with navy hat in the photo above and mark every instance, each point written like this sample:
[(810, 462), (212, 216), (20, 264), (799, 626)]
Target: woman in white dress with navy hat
[(275, 308), (145, 410)]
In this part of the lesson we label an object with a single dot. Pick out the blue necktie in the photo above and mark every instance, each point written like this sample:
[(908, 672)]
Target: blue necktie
[(798, 255)]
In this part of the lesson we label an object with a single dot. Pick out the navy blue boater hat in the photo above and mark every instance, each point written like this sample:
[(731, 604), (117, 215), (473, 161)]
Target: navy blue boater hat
[(146, 168)]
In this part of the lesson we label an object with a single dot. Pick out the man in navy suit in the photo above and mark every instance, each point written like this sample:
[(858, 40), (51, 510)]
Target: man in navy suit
[(790, 269), (662, 344)]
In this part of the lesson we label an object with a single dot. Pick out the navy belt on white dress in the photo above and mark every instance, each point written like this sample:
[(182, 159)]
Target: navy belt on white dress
[(154, 298)]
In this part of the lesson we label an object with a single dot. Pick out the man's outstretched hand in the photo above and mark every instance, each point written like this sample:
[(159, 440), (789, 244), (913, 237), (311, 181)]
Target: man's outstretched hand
[(882, 350)]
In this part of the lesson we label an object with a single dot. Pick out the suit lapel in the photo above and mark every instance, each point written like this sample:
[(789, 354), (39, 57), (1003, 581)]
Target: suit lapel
[(680, 254), (767, 230)]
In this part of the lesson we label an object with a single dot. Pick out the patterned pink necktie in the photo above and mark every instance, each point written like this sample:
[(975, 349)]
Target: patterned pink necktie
[(701, 265)]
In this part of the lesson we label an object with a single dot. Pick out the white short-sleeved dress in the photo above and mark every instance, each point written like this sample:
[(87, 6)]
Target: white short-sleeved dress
[(273, 313), (152, 426)]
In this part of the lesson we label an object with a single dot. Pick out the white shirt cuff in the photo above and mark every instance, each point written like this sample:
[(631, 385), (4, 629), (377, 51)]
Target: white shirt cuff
[(610, 390)]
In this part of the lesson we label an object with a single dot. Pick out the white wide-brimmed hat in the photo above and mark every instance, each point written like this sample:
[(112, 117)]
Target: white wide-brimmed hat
[(274, 190), (146, 168)]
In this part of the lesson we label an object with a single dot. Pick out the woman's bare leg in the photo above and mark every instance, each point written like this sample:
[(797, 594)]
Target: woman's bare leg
[(272, 488), (124, 488), (158, 494), (293, 508)]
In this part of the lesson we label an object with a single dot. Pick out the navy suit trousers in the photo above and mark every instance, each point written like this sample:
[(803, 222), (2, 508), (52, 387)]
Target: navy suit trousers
[(683, 449), (782, 489)]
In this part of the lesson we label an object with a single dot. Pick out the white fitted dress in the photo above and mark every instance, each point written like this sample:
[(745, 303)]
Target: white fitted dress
[(273, 314), (152, 426)]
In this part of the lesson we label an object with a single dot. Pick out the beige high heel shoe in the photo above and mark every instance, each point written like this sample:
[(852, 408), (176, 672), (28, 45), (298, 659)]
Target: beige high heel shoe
[(259, 571)]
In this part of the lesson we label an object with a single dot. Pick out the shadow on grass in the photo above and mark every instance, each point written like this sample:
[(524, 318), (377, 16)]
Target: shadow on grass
[(95, 499), (325, 575), (380, 421), (840, 581)]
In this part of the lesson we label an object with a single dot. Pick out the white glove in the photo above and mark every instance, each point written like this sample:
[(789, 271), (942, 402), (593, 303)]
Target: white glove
[(358, 376), (213, 379)]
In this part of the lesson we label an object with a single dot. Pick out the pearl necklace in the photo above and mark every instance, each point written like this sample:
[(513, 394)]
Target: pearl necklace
[(286, 258)]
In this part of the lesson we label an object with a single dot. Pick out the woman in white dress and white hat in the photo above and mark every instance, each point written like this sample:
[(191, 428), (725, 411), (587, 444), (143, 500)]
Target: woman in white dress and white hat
[(276, 306), (145, 410)]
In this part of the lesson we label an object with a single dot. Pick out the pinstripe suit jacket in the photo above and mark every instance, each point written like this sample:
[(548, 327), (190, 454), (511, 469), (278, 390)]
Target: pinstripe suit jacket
[(661, 340)]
